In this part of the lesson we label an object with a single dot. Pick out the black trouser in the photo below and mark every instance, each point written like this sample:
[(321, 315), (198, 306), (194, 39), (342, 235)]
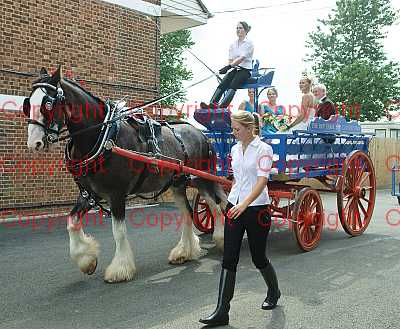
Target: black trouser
[(256, 222), (234, 79)]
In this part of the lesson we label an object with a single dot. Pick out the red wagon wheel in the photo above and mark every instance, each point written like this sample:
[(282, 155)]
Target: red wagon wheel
[(202, 216), (357, 191), (308, 214)]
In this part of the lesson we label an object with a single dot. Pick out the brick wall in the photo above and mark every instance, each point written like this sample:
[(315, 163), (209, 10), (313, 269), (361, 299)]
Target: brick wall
[(116, 48)]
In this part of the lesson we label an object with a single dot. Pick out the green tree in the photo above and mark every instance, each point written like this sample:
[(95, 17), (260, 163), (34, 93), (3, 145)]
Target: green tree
[(173, 72), (347, 55)]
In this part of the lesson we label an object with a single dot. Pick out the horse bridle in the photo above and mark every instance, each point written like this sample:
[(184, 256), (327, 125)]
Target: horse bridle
[(47, 109)]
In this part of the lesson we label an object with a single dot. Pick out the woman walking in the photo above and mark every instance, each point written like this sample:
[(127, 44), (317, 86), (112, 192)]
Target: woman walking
[(246, 211)]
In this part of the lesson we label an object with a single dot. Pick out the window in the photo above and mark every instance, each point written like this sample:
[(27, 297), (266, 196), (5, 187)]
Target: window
[(380, 133), (393, 133)]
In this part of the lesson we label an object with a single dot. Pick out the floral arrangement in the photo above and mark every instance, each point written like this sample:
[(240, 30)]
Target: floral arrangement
[(280, 122)]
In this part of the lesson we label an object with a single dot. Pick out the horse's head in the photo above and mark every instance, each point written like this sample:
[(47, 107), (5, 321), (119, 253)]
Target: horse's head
[(55, 101), (44, 108)]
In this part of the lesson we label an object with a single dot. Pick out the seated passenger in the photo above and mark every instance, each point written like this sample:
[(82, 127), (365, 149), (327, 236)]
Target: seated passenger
[(325, 107), (271, 113), (248, 105)]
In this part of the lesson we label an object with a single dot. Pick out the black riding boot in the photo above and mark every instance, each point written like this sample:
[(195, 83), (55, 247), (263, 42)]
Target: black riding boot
[(220, 316), (230, 93), (214, 100), (274, 293)]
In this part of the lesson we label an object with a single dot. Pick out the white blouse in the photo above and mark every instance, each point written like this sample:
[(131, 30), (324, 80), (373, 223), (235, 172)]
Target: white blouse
[(255, 162), (244, 49)]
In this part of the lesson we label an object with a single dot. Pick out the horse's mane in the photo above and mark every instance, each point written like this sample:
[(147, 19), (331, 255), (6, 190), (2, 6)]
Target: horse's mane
[(76, 84)]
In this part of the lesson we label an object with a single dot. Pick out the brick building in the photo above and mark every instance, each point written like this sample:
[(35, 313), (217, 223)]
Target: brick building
[(111, 47)]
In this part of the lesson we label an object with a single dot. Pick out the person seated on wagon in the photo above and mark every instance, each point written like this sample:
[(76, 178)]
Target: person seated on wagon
[(272, 115), (236, 72), (325, 107), (248, 105)]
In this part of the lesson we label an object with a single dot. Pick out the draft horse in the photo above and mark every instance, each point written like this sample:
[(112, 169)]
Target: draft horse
[(56, 102)]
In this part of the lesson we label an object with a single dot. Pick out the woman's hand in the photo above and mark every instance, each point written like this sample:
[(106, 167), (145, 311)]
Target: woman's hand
[(225, 69), (236, 211)]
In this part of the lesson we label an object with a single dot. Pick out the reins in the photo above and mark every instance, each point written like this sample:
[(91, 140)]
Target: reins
[(123, 113)]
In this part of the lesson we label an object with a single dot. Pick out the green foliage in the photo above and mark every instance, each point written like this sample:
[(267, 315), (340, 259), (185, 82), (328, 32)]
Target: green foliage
[(172, 69), (348, 57)]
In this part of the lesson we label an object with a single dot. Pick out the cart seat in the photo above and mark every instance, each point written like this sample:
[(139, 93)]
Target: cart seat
[(260, 81), (257, 79), (214, 119)]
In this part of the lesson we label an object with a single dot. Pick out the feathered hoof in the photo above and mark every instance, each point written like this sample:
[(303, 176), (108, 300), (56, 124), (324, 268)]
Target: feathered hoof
[(115, 274), (184, 252), (178, 261)]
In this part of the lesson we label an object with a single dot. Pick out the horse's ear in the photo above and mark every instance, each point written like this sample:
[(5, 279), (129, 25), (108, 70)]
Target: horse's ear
[(57, 76), (43, 73)]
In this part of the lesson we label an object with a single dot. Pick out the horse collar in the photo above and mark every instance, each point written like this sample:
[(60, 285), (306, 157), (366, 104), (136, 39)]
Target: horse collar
[(94, 160)]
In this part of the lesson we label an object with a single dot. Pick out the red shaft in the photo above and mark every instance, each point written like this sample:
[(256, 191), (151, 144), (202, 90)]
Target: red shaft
[(170, 165)]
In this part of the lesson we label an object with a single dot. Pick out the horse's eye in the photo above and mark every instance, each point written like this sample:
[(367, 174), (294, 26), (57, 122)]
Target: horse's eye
[(27, 107)]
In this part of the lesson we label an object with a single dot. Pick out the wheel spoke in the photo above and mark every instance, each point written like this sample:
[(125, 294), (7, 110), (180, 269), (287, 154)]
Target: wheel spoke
[(360, 171), (310, 234), (348, 204), (316, 220), (347, 196), (349, 213), (365, 199), (360, 222), (313, 205), (364, 178), (356, 216), (367, 188), (348, 179), (353, 173), (362, 208), (305, 235)]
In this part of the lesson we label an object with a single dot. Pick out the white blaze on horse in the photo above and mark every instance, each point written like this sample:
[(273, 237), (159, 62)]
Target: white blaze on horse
[(56, 102)]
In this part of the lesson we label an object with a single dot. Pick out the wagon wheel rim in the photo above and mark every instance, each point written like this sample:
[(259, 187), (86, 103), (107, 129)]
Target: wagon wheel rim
[(308, 214), (357, 192), (202, 216)]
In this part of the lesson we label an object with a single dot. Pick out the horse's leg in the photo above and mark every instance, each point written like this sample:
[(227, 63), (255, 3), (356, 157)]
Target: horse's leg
[(83, 248), (122, 267), (216, 200), (188, 247)]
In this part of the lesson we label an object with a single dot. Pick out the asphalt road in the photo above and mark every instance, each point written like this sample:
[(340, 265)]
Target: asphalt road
[(344, 283)]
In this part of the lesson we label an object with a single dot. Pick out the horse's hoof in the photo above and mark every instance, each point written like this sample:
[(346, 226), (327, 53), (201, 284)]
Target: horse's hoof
[(112, 281), (178, 261), (92, 268), (119, 274)]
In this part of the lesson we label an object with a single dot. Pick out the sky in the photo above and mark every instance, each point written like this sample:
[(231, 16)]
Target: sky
[(279, 35)]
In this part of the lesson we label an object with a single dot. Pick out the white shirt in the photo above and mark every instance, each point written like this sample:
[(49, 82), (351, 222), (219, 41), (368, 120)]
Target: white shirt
[(255, 162), (244, 49)]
